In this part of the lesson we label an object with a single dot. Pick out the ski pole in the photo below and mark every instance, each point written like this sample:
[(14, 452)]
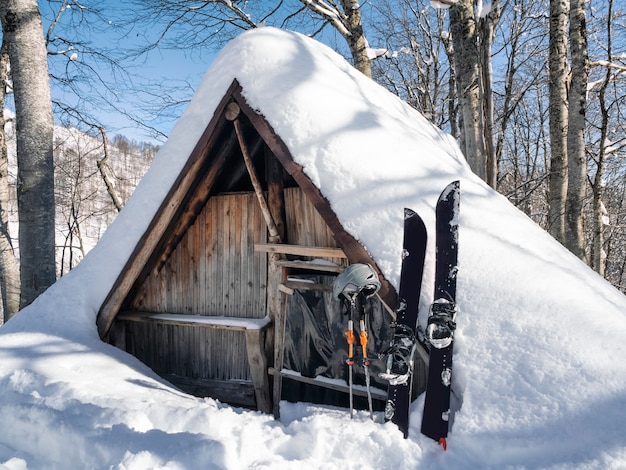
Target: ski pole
[(350, 338), (366, 363)]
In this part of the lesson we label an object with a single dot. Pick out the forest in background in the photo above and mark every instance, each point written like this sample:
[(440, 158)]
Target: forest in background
[(91, 186), (522, 86), (417, 64)]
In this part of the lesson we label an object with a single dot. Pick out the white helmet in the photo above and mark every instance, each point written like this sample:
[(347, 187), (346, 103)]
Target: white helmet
[(355, 279)]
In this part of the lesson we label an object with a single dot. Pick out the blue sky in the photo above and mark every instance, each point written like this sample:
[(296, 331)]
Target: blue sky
[(148, 77), (104, 94), (98, 83), (153, 78)]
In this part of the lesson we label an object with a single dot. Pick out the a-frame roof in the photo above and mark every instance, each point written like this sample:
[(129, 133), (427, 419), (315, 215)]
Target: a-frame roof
[(356, 150), (210, 170)]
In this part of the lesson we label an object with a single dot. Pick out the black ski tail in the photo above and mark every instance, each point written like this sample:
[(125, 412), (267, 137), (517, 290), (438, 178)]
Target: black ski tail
[(441, 324)]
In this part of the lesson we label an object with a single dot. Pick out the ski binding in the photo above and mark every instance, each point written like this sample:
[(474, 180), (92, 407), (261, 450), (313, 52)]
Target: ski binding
[(441, 323)]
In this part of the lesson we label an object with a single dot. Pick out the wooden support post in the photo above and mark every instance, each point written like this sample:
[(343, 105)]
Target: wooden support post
[(276, 191), (279, 344), (232, 114), (255, 345), (274, 304)]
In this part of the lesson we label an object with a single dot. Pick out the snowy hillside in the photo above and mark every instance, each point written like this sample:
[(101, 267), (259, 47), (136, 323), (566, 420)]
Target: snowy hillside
[(540, 356), (81, 196)]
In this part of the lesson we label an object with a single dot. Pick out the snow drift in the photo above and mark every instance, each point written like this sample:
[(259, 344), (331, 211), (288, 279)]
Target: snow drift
[(540, 356)]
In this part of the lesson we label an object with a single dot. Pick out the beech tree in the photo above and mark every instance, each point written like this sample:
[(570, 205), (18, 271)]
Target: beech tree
[(9, 269), (487, 25), (558, 87), (472, 36), (576, 150), (23, 33), (464, 29)]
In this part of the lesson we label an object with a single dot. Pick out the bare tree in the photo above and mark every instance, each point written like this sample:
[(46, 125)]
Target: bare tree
[(487, 24), (345, 17), (525, 67), (22, 28), (558, 86), (607, 140), (9, 269), (576, 150), (103, 166), (202, 23), (415, 65), (465, 33)]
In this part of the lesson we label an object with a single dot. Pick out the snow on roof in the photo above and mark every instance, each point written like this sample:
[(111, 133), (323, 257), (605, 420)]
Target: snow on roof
[(540, 356)]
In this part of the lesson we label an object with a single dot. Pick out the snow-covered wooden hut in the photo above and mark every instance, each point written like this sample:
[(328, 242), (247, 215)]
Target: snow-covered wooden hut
[(208, 279), (540, 345), (208, 291)]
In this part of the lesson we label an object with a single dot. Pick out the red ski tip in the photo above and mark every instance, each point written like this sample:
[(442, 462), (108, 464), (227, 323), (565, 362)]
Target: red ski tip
[(443, 443)]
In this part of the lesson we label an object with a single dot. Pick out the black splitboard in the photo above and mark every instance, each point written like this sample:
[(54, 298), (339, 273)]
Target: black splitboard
[(413, 253), (437, 400)]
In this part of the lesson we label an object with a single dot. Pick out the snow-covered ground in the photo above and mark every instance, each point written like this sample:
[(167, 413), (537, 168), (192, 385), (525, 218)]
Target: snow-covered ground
[(540, 356)]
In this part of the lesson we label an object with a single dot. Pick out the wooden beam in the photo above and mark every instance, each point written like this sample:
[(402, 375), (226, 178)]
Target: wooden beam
[(234, 392), (280, 324), (275, 190), (205, 321), (300, 250), (232, 113), (303, 285), (285, 290), (255, 347), (332, 384), (310, 266)]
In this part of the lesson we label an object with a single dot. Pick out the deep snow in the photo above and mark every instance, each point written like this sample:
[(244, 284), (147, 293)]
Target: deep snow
[(540, 356)]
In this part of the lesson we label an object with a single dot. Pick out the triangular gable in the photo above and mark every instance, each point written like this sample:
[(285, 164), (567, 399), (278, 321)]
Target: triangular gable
[(203, 175)]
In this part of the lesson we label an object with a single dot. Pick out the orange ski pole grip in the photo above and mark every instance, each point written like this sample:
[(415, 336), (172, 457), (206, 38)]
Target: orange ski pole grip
[(363, 339), (349, 334)]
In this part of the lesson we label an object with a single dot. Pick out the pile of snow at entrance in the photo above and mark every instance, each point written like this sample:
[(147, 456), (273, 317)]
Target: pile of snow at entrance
[(540, 356)]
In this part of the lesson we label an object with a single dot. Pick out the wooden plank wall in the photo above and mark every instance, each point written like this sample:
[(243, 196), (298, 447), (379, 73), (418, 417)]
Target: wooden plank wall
[(213, 271), (305, 226), (186, 351)]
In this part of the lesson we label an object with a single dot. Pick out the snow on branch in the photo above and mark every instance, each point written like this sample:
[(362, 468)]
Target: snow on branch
[(330, 13), (443, 3), (608, 64)]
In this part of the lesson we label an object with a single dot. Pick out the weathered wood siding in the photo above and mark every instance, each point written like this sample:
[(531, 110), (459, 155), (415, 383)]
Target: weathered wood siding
[(305, 226), (213, 271)]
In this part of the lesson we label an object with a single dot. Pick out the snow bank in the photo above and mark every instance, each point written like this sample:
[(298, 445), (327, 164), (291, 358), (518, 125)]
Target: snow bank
[(540, 358)]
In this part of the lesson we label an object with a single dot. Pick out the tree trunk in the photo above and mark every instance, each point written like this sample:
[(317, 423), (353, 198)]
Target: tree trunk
[(9, 269), (356, 38), (577, 158), (102, 166), (467, 72), (598, 257), (558, 118), (452, 101), (22, 28), (487, 29)]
